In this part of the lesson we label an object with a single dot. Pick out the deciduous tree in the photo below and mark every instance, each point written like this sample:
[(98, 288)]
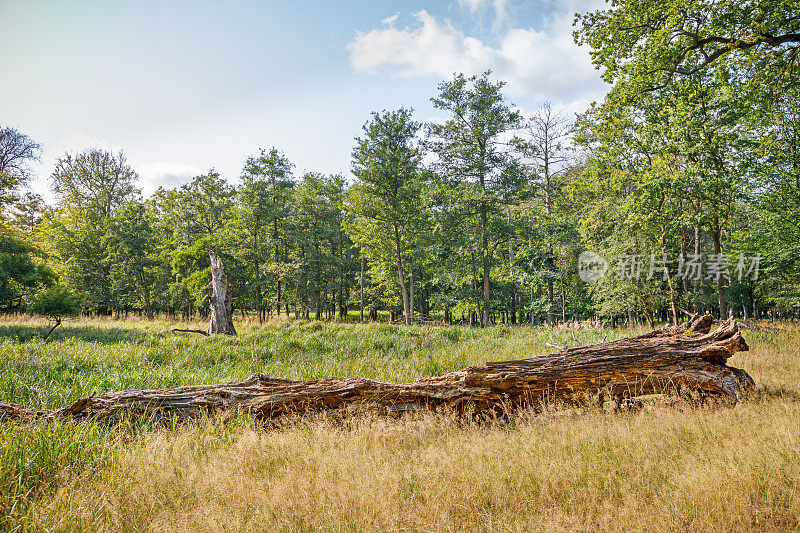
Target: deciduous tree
[(474, 152), (386, 201)]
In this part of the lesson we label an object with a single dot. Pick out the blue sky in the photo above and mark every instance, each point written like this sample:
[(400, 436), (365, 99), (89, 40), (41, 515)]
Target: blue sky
[(185, 86)]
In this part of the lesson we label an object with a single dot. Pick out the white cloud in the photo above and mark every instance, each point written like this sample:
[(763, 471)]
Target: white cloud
[(161, 174), (473, 5), (80, 142), (542, 64), (499, 7), (390, 20)]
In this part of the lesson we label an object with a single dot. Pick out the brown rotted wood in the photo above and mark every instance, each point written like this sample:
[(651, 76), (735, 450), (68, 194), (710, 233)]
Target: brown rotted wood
[(668, 360)]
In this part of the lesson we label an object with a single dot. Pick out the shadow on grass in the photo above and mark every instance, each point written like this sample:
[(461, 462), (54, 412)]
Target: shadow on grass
[(773, 392), (24, 333)]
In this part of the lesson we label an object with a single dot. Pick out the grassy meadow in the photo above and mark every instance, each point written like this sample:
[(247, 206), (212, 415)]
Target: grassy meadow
[(676, 469)]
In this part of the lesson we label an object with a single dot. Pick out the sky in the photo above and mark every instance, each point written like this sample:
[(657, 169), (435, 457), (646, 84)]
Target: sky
[(185, 86)]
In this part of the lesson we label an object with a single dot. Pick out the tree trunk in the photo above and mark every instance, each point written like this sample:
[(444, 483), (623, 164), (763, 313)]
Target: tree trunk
[(411, 293), (220, 299), (697, 281), (401, 274), (361, 289), (278, 297), (549, 207), (716, 236), (277, 261), (670, 360), (671, 285), (513, 307), (148, 308), (487, 284), (683, 258)]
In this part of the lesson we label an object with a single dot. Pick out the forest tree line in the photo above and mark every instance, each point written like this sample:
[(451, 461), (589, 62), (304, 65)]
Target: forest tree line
[(692, 159)]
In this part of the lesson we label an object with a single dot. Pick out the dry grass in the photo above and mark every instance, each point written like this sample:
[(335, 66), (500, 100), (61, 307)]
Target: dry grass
[(661, 469), (665, 470)]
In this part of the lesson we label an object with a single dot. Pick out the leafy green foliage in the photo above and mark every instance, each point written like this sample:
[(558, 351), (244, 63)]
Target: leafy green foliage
[(265, 199), (386, 202), (95, 182), (56, 302), (680, 138), (651, 44), (480, 215), (477, 172), (21, 269), (17, 151)]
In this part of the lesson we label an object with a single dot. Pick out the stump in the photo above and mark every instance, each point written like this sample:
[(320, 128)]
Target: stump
[(671, 360), (220, 299)]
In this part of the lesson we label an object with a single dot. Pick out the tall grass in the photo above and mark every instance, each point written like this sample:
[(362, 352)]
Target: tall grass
[(661, 469), (90, 356), (36, 460)]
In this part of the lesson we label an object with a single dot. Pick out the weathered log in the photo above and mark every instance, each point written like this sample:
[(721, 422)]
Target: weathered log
[(670, 360), (220, 299)]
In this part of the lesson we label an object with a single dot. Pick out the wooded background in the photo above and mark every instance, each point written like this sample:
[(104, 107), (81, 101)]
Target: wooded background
[(479, 218)]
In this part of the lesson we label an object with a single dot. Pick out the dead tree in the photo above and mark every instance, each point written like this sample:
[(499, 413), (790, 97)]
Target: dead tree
[(220, 299), (672, 360)]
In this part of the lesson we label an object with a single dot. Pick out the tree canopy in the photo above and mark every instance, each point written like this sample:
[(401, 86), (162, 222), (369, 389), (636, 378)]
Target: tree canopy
[(678, 190)]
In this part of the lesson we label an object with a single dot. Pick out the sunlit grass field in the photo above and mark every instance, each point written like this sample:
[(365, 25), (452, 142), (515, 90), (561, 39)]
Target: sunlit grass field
[(687, 469)]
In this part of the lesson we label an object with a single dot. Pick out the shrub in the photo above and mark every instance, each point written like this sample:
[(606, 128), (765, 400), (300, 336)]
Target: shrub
[(55, 302)]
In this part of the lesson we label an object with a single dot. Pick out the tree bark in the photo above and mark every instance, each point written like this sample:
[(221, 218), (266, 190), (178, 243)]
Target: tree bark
[(411, 293), (361, 289), (716, 236), (549, 206), (670, 360), (487, 283), (401, 275), (671, 285), (148, 308), (220, 299), (697, 281), (277, 261)]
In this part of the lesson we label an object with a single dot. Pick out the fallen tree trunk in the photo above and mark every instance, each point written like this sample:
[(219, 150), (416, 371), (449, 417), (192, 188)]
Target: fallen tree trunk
[(670, 360)]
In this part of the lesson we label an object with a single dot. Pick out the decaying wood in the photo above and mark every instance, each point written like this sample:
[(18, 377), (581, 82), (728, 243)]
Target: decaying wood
[(220, 299), (669, 360)]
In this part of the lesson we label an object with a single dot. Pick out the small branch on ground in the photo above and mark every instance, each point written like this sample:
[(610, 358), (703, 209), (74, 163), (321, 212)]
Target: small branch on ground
[(556, 346), (58, 323), (200, 331)]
